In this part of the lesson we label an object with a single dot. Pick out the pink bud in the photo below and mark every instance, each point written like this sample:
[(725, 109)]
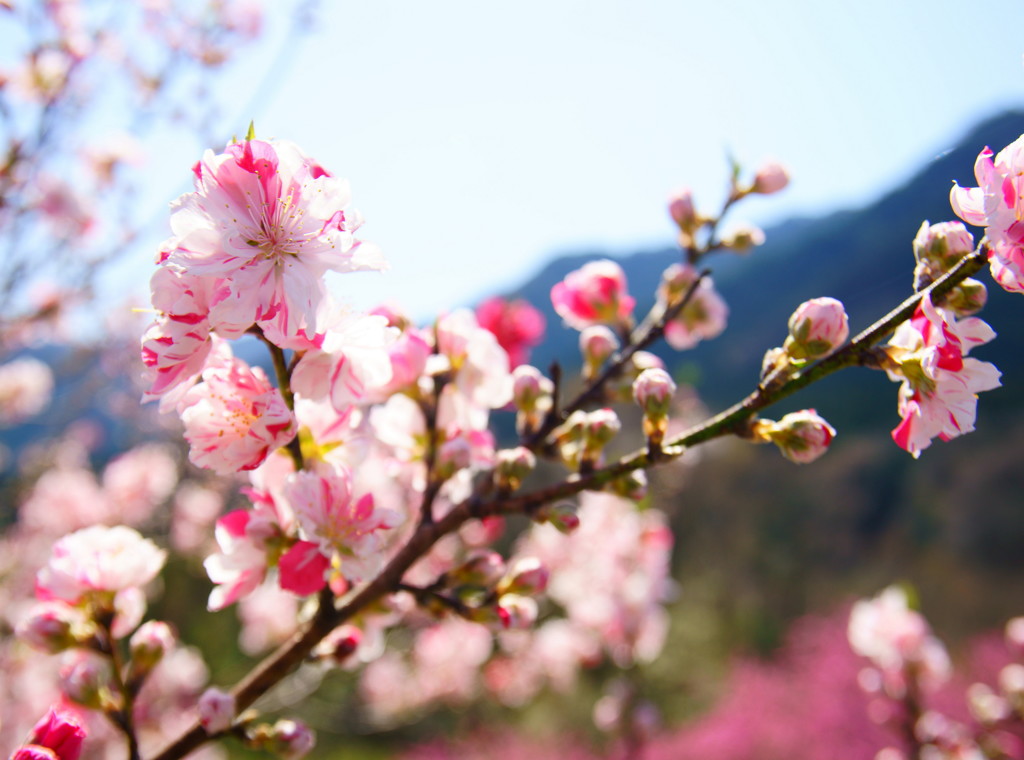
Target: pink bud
[(530, 389), (60, 732), (681, 208), (942, 244), (597, 344), (453, 455), (563, 516), (817, 328), (87, 679), (653, 391), (770, 178), (149, 644), (801, 436), (340, 644), (51, 626), (216, 710)]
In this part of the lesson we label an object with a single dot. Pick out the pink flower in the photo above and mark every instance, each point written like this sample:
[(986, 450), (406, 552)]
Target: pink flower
[(330, 514), (817, 328), (704, 315), (234, 418), (58, 736), (516, 324), (997, 204), (594, 294), (98, 559), (271, 222), (938, 397), (244, 537)]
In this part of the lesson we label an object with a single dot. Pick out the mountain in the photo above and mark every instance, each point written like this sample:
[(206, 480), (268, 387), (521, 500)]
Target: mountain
[(862, 257)]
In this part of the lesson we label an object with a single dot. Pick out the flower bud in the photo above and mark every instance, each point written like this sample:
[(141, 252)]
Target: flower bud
[(86, 678), (148, 646), (597, 344), (453, 455), (339, 644), (517, 612), (653, 391), (817, 328), (801, 436), (742, 239), (770, 178), (531, 391), (58, 736), (513, 466), (675, 281), (942, 245), (682, 210), (564, 516), (967, 298), (527, 576), (774, 358), (216, 710), (53, 627), (485, 569)]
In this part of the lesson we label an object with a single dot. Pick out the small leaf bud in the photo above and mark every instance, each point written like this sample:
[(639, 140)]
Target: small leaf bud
[(564, 516), (742, 239), (527, 576), (632, 485)]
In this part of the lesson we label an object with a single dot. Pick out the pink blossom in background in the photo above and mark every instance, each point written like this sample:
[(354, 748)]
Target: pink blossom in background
[(234, 418), (702, 318), (26, 388), (997, 204), (517, 325), (890, 634), (593, 294), (98, 559)]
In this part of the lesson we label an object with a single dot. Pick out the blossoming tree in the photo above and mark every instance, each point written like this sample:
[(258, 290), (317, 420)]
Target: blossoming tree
[(379, 499)]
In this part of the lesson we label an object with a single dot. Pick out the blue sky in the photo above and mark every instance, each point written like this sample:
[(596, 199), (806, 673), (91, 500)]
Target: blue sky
[(482, 138)]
